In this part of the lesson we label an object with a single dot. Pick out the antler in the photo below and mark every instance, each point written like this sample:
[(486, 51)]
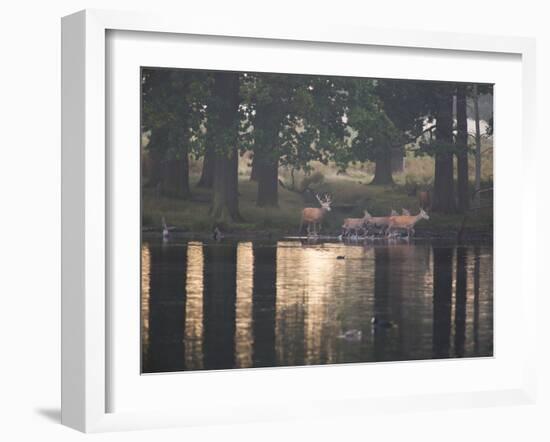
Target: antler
[(326, 198)]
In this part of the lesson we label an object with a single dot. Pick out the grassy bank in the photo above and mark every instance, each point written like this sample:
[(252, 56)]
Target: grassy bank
[(350, 196)]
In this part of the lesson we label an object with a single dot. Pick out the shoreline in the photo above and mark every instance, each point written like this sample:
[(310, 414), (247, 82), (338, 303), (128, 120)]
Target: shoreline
[(472, 236)]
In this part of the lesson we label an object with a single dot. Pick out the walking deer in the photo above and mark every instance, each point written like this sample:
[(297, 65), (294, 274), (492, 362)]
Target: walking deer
[(355, 224), (314, 215), (378, 222), (405, 222)]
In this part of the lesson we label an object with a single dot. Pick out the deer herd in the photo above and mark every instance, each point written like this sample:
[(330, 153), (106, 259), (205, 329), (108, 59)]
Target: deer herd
[(368, 225)]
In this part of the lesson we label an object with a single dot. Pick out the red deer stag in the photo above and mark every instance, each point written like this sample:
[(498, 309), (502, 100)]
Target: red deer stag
[(314, 216)]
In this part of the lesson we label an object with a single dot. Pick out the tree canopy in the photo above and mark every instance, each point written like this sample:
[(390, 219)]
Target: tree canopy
[(293, 120)]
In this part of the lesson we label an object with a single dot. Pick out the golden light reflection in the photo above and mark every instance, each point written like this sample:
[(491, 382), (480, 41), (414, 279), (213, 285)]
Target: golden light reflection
[(305, 306), (145, 297), (243, 322), (318, 269), (322, 291), (194, 307)]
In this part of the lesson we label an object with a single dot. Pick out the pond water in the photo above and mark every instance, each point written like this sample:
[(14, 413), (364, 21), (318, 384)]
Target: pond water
[(238, 304)]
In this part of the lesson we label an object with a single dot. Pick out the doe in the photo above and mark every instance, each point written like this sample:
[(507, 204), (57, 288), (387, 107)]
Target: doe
[(405, 222), (355, 224)]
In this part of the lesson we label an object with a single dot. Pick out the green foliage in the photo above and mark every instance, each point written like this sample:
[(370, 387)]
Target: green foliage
[(312, 180), (223, 119), (173, 109), (294, 119), (408, 104), (286, 118)]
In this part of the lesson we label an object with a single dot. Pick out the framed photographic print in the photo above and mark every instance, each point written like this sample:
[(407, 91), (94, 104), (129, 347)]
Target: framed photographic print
[(318, 216)]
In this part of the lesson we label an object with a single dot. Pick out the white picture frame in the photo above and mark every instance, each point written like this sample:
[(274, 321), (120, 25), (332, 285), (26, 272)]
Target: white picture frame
[(85, 202)]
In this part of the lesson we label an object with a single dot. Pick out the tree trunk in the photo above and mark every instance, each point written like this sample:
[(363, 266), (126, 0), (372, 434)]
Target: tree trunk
[(224, 127), (254, 169), (265, 166), (462, 145), (268, 183), (156, 149), (444, 193), (397, 160), (478, 148), (225, 201), (175, 171), (207, 176), (383, 168), (175, 177)]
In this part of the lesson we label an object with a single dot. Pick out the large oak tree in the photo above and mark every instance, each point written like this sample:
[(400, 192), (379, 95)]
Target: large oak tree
[(222, 128)]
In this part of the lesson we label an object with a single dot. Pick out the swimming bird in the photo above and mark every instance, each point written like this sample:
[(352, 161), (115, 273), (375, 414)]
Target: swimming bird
[(340, 257), (351, 335), (381, 323)]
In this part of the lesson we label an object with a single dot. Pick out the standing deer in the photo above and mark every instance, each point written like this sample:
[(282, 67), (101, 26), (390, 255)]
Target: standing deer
[(405, 222), (354, 224), (314, 215)]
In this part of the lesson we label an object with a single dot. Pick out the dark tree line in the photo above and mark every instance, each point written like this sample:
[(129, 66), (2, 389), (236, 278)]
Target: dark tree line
[(292, 120)]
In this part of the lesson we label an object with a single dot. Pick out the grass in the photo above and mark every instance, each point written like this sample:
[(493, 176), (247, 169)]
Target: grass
[(350, 193)]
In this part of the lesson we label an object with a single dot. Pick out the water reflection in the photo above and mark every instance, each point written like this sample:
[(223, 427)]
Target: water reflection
[(243, 322), (219, 305), (166, 306), (382, 278), (460, 301), (260, 304), (193, 307), (442, 300), (264, 294)]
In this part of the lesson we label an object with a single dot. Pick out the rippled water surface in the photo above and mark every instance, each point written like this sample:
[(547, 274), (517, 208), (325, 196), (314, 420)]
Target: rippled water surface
[(208, 305)]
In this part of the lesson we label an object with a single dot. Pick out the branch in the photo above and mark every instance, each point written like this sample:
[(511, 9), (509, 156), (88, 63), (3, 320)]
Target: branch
[(414, 138)]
